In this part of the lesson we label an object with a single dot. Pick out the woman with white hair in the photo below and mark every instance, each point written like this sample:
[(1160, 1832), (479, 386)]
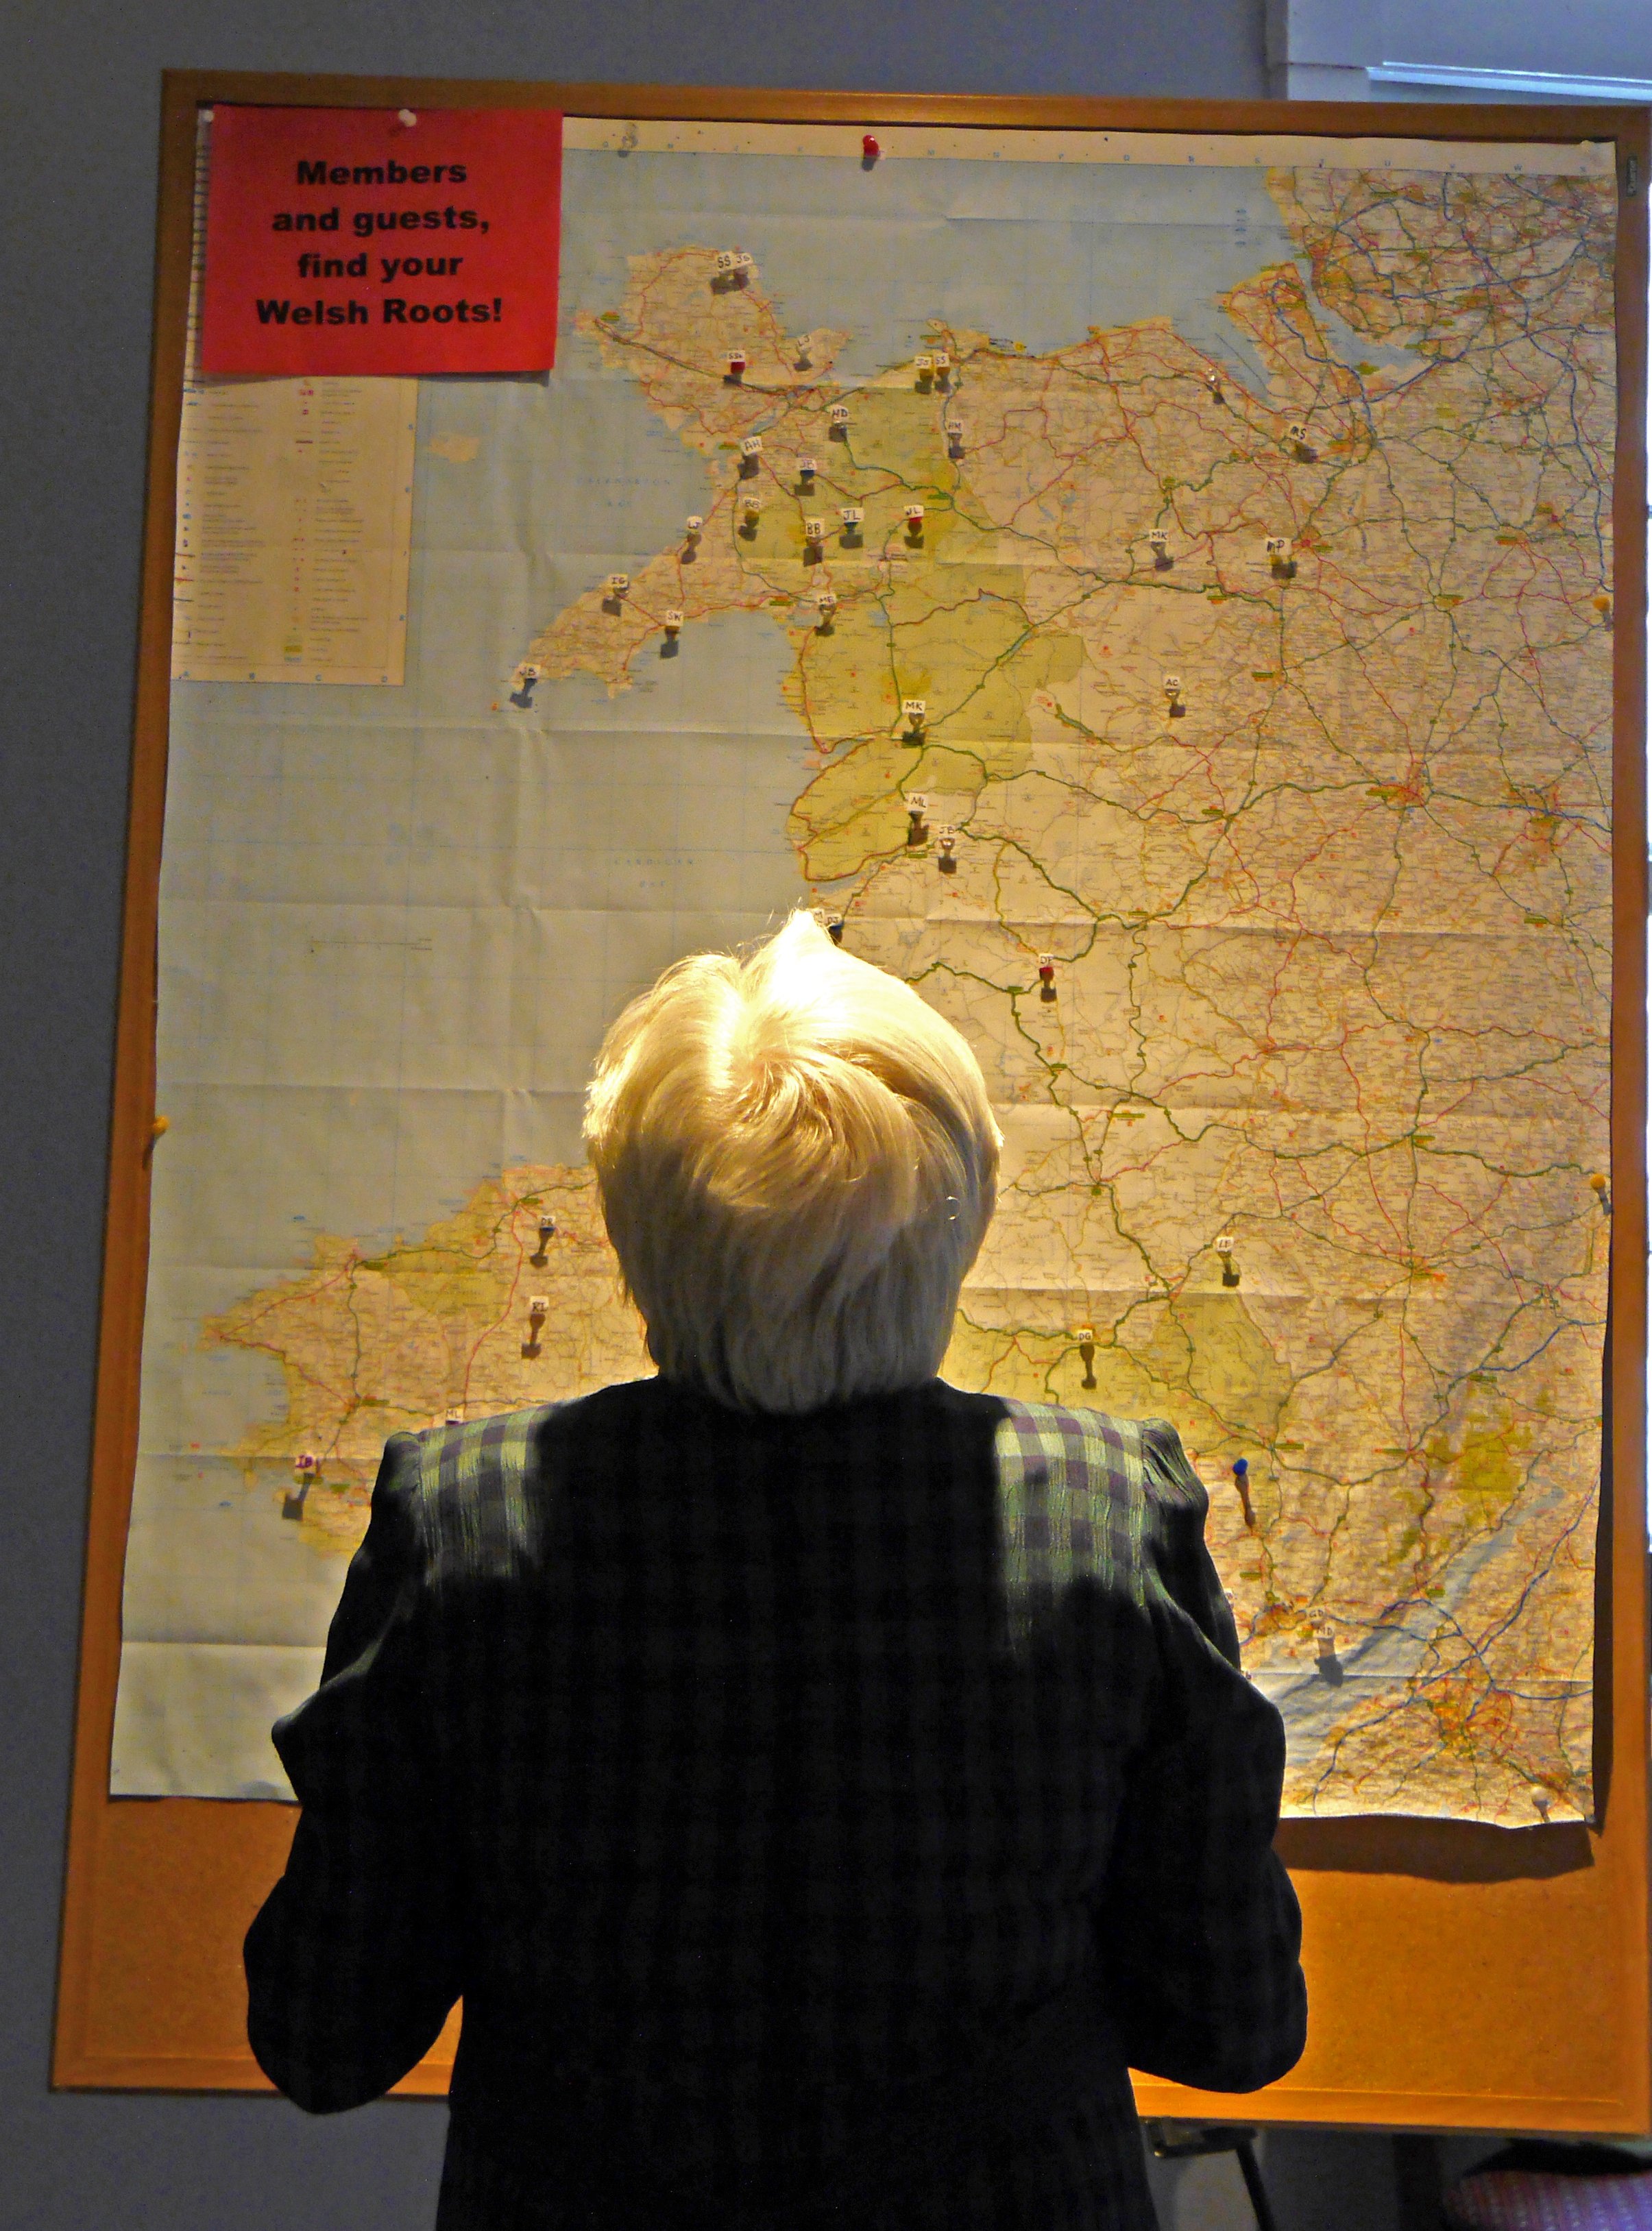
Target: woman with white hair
[(820, 1784)]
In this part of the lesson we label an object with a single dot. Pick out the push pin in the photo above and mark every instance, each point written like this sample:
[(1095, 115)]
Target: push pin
[(695, 526), (547, 1233), (743, 267), (870, 150), (942, 368), (1046, 976), (618, 584), (750, 449), (1242, 1481), (539, 1309), (838, 422), (1212, 381), (305, 1471), (851, 515), (947, 844), (813, 539), (752, 505), (454, 1418), (917, 806), (915, 522), (725, 263), (807, 469), (1158, 542), (1598, 1186), (1225, 1256), (1276, 548), (954, 432), (834, 928), (825, 604), (522, 694), (1086, 1337), (1296, 435), (673, 623), (737, 364), (1324, 1649), (923, 367), (914, 711)]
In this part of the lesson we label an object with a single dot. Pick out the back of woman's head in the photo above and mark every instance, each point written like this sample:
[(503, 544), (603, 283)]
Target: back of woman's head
[(797, 1162)]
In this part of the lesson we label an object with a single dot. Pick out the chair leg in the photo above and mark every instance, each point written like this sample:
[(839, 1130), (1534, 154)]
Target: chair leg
[(1418, 2182)]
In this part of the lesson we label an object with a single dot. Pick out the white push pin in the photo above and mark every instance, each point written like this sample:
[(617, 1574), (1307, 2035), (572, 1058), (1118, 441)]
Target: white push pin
[(743, 265), (915, 521), (618, 584), (305, 1465), (826, 604), (1159, 543), (673, 622), (814, 533), (1277, 550), (946, 843), (1297, 432), (807, 469), (943, 368), (918, 803), (752, 504), (725, 261), (954, 430), (924, 367), (1173, 686), (913, 711), (751, 445), (839, 416), (1212, 381), (694, 527), (851, 515)]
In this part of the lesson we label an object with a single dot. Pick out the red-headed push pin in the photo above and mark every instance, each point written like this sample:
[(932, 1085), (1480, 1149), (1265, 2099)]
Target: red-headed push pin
[(737, 364), (1046, 976), (306, 1469), (870, 150)]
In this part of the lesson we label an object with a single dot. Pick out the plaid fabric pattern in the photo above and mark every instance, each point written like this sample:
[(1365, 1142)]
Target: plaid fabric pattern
[(745, 1774)]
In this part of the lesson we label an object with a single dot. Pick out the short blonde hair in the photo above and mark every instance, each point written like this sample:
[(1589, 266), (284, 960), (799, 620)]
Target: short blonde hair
[(798, 1163)]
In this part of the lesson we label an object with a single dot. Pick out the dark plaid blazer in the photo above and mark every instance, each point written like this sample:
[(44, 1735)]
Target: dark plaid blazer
[(747, 1776)]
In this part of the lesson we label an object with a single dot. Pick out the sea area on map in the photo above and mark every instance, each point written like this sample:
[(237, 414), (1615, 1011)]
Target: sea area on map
[(1033, 253)]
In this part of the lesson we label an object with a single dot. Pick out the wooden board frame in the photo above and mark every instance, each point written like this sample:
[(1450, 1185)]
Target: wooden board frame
[(1462, 1977)]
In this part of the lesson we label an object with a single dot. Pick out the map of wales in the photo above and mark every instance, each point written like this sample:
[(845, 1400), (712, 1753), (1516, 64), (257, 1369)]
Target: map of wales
[(1229, 757)]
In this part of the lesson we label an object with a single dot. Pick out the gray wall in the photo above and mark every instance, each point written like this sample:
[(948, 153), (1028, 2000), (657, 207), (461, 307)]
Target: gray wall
[(79, 97)]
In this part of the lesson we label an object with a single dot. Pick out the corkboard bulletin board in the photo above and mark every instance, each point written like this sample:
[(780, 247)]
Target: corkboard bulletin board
[(1461, 1978)]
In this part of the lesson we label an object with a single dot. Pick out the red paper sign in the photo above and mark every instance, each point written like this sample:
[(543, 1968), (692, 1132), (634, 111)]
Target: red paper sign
[(379, 240)]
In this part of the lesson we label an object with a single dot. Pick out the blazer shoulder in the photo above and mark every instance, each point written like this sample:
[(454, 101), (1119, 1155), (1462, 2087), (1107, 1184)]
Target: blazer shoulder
[(1113, 1498), (472, 1491)]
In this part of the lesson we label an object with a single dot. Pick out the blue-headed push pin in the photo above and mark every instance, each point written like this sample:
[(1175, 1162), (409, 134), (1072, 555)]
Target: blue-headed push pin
[(1242, 1481)]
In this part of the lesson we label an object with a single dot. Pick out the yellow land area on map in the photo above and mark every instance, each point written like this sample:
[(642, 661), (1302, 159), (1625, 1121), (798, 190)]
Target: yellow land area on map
[(1254, 827)]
